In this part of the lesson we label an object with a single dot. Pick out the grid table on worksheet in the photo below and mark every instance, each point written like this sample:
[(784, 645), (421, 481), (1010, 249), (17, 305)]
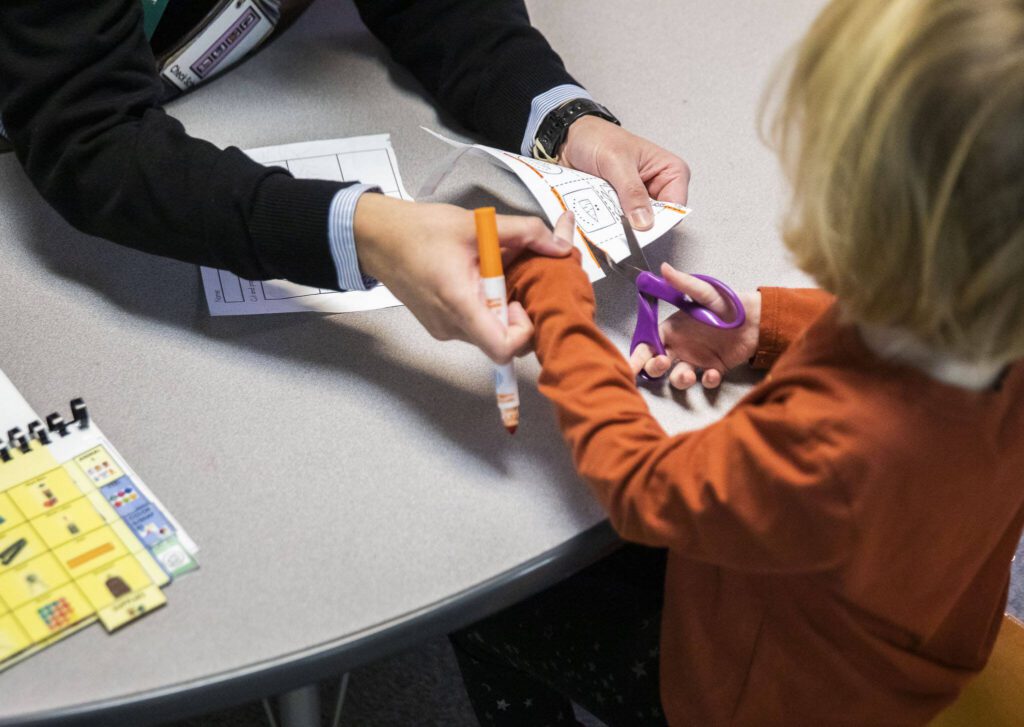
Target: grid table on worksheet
[(366, 159)]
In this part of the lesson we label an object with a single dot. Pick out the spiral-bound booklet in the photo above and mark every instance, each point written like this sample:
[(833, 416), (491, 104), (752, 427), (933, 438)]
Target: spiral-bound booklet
[(82, 539)]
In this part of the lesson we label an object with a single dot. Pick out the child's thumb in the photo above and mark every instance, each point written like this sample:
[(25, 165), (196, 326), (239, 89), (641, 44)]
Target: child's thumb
[(700, 291)]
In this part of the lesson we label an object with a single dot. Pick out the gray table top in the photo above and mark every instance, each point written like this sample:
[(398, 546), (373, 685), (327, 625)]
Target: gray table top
[(347, 475)]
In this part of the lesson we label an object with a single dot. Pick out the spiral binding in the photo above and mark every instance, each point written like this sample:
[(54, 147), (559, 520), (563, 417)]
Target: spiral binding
[(35, 431)]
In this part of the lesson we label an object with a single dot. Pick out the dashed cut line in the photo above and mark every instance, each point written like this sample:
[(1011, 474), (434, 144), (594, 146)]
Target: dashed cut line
[(528, 166), (562, 203), (578, 228)]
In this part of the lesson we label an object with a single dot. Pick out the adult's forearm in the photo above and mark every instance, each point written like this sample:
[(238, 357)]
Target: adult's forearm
[(481, 59), (81, 102)]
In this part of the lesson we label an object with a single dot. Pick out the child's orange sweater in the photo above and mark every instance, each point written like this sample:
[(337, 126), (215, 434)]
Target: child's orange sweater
[(839, 543)]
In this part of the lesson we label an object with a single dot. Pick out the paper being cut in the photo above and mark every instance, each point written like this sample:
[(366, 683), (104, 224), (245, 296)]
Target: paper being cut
[(557, 188), (367, 159)]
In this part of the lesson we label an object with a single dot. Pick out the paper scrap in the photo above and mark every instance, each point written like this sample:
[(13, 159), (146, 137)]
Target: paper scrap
[(366, 159), (556, 189)]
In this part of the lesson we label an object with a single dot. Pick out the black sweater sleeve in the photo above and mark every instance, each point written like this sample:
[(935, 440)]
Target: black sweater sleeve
[(481, 59), (81, 104)]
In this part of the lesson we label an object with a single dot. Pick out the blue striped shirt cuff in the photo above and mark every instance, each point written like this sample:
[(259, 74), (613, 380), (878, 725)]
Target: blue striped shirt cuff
[(3, 131), (342, 237), (544, 104)]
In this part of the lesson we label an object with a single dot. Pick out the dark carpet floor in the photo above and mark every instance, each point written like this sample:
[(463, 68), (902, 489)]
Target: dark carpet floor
[(422, 687)]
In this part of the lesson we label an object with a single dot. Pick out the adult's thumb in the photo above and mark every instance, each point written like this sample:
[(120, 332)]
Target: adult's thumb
[(636, 203)]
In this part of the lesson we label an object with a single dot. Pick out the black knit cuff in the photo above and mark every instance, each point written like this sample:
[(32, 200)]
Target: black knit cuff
[(289, 229), (503, 102)]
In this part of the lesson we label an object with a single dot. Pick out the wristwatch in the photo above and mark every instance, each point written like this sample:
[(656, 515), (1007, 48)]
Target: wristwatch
[(555, 127)]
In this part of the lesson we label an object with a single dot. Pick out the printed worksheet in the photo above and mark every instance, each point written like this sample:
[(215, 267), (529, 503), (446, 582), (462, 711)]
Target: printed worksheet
[(557, 188), (367, 159)]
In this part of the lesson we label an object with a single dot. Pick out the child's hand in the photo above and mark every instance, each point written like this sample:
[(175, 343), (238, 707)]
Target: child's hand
[(691, 345)]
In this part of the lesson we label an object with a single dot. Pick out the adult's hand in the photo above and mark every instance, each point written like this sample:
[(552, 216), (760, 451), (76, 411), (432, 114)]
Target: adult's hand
[(426, 254), (636, 168)]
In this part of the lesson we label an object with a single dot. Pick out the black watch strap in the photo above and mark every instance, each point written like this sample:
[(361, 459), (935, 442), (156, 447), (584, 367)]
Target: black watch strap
[(555, 127)]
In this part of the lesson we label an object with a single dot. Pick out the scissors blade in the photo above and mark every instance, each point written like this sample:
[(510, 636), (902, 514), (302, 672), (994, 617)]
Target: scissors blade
[(636, 259), (608, 265), (604, 260), (624, 268)]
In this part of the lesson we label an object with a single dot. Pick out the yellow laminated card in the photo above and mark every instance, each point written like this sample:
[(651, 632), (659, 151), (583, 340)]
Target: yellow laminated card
[(81, 537)]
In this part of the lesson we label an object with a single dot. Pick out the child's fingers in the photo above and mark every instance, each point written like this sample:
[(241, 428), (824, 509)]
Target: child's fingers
[(658, 366), (683, 376), (640, 356), (711, 378), (702, 292), (643, 359)]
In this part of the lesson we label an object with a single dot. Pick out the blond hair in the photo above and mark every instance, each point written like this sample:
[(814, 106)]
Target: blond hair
[(902, 133)]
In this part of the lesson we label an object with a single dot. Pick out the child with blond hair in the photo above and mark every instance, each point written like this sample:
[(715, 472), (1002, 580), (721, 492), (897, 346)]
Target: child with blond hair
[(838, 545)]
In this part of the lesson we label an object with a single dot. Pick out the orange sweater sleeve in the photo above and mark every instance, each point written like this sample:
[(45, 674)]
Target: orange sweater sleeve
[(785, 314), (753, 491)]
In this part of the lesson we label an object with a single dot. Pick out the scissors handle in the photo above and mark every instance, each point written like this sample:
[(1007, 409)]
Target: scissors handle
[(651, 288)]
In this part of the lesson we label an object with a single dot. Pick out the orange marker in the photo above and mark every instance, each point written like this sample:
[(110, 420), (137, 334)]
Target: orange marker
[(492, 277)]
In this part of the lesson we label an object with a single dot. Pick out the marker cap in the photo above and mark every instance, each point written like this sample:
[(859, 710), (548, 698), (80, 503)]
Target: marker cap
[(487, 242)]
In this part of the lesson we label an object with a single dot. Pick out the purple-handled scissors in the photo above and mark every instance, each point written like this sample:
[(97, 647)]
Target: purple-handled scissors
[(651, 288)]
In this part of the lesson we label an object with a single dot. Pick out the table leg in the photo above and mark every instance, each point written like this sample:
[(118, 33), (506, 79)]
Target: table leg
[(340, 702), (300, 707)]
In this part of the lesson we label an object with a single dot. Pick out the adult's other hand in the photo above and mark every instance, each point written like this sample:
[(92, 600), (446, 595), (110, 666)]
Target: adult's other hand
[(635, 167)]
